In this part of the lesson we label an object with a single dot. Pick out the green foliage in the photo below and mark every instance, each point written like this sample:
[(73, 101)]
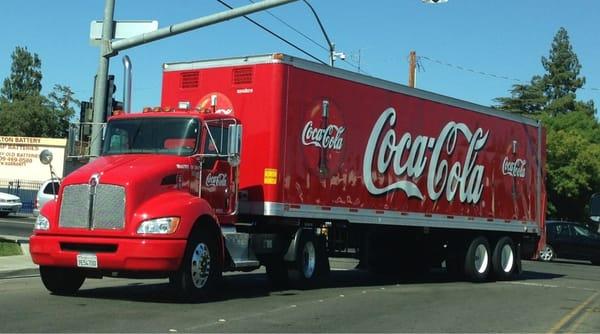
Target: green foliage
[(8, 248), (525, 99), (562, 67), (24, 111), (25, 78)]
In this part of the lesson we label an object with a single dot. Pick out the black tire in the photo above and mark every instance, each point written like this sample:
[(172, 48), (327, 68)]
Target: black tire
[(62, 281), (547, 253), (201, 271), (311, 265), (277, 271), (504, 259), (477, 260)]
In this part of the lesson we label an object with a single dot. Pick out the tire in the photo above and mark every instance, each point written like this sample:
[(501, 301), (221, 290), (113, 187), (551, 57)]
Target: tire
[(311, 265), (61, 281), (477, 260), (200, 272), (504, 259), (547, 253)]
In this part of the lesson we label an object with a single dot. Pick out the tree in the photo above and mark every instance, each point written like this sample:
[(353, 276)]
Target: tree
[(24, 111), (61, 101), (25, 78), (525, 98)]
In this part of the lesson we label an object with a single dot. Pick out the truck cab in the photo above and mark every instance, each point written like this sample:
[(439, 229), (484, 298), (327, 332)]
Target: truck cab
[(161, 192)]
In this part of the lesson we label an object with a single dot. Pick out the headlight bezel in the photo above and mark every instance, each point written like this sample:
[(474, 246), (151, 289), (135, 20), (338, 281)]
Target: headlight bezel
[(159, 226), (41, 223)]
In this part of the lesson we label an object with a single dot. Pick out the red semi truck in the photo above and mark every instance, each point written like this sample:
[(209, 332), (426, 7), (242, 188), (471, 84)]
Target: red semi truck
[(277, 161)]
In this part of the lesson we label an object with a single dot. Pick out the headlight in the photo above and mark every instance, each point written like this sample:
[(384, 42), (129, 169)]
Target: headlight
[(41, 223), (165, 225)]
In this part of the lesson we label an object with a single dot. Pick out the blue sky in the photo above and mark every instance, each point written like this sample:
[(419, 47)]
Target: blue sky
[(503, 38)]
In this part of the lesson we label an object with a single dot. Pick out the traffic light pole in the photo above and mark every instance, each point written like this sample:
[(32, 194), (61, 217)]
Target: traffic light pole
[(100, 88), (109, 49)]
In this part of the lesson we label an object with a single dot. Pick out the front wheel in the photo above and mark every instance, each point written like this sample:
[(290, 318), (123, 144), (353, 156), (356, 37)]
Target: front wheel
[(200, 269), (61, 281), (547, 253)]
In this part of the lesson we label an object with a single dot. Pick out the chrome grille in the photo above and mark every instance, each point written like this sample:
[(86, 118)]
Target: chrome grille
[(108, 211), (109, 207), (74, 209)]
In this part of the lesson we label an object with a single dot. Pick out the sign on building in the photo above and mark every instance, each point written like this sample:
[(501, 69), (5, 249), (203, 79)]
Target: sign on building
[(19, 157)]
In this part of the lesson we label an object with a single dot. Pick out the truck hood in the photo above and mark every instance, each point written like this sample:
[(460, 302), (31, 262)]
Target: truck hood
[(127, 169)]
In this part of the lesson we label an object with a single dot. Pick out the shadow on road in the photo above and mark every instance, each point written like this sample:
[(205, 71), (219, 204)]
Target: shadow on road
[(256, 285)]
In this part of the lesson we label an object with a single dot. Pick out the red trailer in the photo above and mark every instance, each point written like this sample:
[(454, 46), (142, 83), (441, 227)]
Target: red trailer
[(329, 163)]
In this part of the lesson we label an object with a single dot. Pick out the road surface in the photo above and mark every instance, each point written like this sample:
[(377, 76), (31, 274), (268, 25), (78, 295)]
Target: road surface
[(550, 297)]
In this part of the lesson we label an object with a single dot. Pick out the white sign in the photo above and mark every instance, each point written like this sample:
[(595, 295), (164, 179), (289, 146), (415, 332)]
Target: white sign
[(123, 29), (19, 157)]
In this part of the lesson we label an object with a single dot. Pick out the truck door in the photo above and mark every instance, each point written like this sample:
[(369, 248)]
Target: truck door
[(218, 176)]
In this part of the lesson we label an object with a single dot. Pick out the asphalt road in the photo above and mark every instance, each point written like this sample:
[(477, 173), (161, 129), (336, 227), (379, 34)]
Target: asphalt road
[(550, 297), (17, 225)]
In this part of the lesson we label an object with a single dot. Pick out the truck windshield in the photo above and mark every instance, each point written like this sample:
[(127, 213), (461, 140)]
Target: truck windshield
[(165, 135)]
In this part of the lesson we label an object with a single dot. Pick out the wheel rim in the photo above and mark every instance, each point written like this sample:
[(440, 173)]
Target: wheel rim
[(546, 253), (200, 265), (481, 259), (309, 260), (507, 258)]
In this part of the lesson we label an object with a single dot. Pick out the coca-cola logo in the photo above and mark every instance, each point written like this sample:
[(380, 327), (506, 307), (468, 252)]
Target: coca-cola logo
[(406, 156), (514, 168), (330, 137), (322, 136), (219, 180)]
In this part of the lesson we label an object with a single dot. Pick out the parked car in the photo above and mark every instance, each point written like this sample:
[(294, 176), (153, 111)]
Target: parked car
[(9, 204), (47, 191), (570, 240)]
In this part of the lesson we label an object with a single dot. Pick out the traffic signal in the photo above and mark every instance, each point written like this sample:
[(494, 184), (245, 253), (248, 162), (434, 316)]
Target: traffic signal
[(111, 103)]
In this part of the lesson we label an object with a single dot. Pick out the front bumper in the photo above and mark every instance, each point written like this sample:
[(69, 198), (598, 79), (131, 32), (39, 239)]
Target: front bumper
[(113, 254), (10, 207)]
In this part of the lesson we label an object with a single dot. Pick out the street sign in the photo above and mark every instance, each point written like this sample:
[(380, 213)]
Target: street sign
[(123, 29)]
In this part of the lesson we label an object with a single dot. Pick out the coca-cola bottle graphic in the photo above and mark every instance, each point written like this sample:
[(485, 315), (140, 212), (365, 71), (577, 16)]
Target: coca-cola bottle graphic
[(323, 170)]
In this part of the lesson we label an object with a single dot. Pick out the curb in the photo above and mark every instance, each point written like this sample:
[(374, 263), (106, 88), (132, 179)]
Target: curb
[(19, 273)]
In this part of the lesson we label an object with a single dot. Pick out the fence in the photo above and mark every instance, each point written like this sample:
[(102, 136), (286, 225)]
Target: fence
[(26, 190)]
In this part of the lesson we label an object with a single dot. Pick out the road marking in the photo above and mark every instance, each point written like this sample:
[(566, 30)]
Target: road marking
[(571, 315), (532, 284)]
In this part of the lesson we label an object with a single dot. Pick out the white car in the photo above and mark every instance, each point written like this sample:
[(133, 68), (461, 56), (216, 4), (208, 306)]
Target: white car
[(47, 192), (9, 204)]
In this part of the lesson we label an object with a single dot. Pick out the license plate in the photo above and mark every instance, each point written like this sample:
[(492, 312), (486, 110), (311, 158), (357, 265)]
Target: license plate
[(87, 261)]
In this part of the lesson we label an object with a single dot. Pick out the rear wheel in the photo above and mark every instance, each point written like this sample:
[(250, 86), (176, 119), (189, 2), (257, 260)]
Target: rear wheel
[(200, 270), (547, 253), (61, 281), (477, 260), (311, 265), (504, 259)]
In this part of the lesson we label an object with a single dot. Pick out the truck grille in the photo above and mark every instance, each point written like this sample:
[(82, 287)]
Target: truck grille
[(107, 211)]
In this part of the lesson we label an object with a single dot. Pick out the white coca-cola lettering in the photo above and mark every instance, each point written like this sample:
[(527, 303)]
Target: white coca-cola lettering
[(219, 180), (329, 138), (514, 168), (406, 155)]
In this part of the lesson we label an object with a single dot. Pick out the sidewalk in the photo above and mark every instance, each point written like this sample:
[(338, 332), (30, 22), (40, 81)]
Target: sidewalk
[(17, 265)]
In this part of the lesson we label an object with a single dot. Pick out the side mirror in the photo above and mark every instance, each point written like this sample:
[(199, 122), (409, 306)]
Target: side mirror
[(595, 207), (46, 157), (235, 144)]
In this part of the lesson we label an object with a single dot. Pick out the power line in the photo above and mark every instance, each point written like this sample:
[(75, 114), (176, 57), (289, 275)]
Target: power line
[(274, 34), (496, 76), (282, 21)]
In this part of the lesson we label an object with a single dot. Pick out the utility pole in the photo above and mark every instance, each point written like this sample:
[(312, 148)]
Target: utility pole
[(412, 69), (100, 87), (110, 48)]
